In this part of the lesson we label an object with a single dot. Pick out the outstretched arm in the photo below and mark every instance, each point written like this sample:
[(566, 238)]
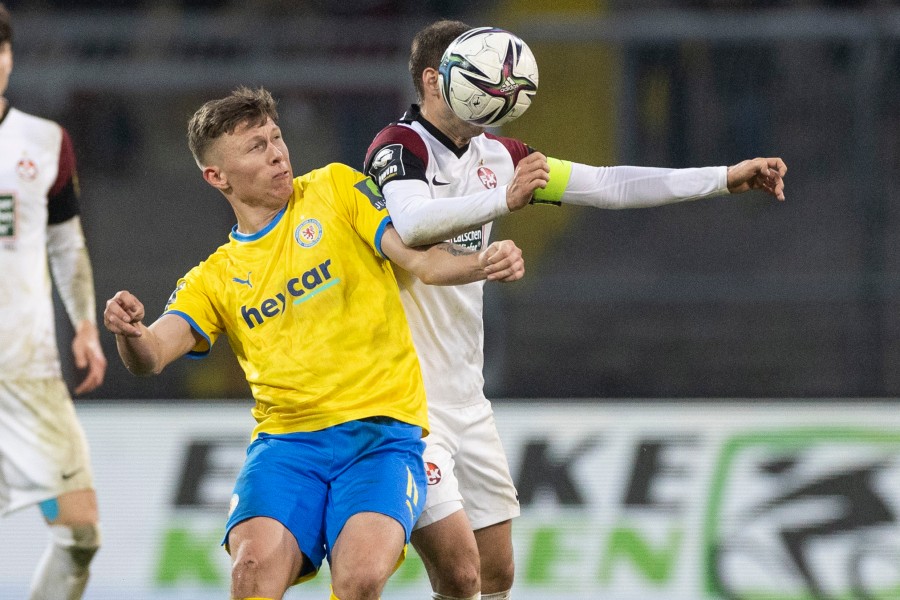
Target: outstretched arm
[(639, 187), (146, 350), (448, 264)]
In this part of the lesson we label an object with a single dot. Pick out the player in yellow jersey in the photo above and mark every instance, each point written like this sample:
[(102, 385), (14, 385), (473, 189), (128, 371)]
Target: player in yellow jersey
[(305, 294)]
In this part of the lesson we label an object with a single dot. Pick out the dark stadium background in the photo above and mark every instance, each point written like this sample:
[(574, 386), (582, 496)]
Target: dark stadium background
[(728, 298)]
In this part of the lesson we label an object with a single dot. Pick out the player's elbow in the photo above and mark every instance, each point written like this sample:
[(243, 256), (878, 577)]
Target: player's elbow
[(409, 235), (429, 277), (428, 271), (143, 370), (417, 232), (141, 366), (138, 371)]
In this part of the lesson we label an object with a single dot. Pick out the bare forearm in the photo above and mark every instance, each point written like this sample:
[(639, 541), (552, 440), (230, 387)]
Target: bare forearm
[(449, 264), (141, 355)]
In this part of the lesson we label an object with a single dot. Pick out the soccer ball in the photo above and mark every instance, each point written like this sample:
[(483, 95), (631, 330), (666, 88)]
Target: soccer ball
[(488, 76)]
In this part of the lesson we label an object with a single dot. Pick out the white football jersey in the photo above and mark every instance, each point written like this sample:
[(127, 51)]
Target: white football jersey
[(446, 321), (37, 187)]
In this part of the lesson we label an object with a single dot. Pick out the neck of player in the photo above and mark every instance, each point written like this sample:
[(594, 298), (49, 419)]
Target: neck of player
[(440, 115)]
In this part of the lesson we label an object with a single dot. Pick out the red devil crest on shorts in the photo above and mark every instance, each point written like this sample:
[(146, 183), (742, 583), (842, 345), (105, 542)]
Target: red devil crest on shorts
[(432, 473)]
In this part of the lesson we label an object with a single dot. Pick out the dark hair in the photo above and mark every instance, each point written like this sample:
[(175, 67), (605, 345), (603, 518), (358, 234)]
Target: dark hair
[(224, 115), (5, 25), (428, 47)]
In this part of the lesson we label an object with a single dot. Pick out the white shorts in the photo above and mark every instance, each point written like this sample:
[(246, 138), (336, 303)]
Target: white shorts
[(466, 468), (43, 450)]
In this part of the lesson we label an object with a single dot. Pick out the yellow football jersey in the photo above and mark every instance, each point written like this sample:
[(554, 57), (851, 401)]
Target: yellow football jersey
[(312, 310)]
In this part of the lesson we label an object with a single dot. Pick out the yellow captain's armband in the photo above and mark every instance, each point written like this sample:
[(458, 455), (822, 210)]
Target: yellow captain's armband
[(560, 171)]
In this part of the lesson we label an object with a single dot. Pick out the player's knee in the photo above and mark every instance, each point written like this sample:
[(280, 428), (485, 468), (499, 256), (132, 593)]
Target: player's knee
[(498, 576), (246, 567), (358, 583), (461, 580)]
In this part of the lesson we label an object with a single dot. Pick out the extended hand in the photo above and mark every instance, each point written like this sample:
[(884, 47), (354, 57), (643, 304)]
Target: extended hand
[(502, 261), (88, 355), (123, 314), (765, 174), (532, 173)]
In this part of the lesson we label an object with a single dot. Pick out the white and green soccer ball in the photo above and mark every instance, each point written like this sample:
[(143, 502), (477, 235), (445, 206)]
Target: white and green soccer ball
[(488, 76)]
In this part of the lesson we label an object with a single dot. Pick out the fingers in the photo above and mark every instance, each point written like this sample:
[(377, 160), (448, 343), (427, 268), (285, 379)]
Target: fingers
[(771, 178), (89, 355), (504, 262), (123, 314), (94, 377), (766, 174), (532, 173), (777, 164)]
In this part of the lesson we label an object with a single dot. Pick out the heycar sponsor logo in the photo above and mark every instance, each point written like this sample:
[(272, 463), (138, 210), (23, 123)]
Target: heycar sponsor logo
[(299, 289)]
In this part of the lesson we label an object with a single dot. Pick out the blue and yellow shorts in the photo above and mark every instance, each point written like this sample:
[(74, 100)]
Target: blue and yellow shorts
[(313, 482)]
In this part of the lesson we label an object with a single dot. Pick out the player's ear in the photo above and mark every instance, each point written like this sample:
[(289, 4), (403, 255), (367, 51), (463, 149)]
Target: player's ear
[(431, 81), (215, 177)]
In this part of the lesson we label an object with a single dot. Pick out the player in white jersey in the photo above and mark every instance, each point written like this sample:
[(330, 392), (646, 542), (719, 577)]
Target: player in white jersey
[(43, 453), (446, 177)]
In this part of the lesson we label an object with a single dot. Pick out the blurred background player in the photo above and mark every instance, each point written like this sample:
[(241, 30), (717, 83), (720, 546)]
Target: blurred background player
[(44, 456), (442, 178), (309, 303)]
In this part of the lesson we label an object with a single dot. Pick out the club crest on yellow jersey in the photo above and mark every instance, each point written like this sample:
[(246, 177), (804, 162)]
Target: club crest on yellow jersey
[(308, 233)]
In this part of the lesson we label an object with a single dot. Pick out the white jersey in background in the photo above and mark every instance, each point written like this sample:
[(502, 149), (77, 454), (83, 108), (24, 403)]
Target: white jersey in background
[(37, 188)]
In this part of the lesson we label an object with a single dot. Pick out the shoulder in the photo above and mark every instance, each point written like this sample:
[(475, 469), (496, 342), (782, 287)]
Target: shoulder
[(517, 150), (400, 137), (18, 115), (330, 184), (214, 263), (36, 128), (335, 174)]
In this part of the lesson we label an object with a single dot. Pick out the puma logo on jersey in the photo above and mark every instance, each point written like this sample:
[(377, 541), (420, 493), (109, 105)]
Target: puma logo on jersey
[(243, 281), (299, 289)]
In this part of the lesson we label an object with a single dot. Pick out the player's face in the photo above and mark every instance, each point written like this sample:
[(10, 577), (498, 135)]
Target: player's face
[(255, 163), (461, 128), (439, 113), (6, 64)]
